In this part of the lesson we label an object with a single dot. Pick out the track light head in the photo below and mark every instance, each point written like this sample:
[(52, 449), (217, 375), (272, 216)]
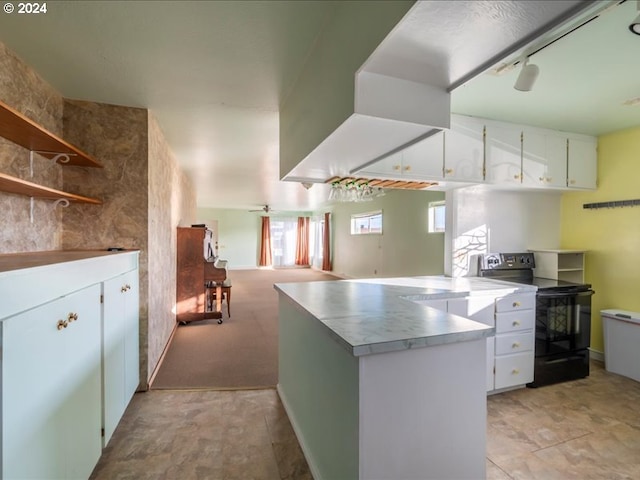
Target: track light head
[(527, 77), (635, 26)]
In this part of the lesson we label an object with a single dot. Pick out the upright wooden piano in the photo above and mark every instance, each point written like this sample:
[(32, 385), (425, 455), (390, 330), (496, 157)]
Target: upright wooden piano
[(194, 274)]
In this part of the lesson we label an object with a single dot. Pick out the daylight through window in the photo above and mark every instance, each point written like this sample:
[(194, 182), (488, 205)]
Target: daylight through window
[(366, 223)]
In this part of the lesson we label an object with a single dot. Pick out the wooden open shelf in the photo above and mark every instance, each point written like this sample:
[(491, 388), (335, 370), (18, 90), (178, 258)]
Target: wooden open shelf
[(19, 129), (15, 185)]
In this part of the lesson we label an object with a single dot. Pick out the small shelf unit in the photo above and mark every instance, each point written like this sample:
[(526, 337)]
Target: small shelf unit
[(566, 265)]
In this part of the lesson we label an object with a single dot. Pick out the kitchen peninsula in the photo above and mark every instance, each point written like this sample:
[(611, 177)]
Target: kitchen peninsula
[(378, 385)]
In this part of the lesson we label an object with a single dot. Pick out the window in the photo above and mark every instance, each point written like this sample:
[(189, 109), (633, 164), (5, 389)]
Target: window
[(436, 217), (366, 223)]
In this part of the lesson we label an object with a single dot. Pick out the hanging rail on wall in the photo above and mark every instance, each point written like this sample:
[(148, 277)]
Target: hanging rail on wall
[(614, 204)]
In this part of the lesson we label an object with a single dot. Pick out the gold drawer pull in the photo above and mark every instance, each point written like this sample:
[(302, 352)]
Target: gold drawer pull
[(572, 182), (124, 288), (448, 171), (515, 371), (516, 323), (516, 304), (62, 324), (515, 345), (396, 167), (72, 317), (407, 168)]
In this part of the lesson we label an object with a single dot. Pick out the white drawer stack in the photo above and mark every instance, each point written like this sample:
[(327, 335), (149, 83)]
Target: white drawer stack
[(514, 340)]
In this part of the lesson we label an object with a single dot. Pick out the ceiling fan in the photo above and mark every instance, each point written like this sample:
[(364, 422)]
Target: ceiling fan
[(265, 209)]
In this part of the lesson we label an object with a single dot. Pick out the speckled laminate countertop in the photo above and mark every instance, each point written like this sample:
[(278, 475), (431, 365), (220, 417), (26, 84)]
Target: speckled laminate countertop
[(368, 316)]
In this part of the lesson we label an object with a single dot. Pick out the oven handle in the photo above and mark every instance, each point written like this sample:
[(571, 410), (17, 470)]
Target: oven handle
[(565, 294)]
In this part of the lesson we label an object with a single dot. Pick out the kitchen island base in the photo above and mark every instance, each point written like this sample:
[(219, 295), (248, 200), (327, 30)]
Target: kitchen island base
[(418, 413)]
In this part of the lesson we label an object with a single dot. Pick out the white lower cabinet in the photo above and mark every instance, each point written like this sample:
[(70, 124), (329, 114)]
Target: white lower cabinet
[(69, 363), (51, 389), (119, 348), (510, 353), (515, 337)]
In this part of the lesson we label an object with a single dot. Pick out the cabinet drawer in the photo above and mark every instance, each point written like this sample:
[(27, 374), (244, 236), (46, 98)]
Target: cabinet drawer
[(516, 302), (512, 370), (514, 343), (507, 322)]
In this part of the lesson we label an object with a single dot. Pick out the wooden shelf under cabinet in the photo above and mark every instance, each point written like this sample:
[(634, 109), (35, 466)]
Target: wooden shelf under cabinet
[(15, 185), (19, 129)]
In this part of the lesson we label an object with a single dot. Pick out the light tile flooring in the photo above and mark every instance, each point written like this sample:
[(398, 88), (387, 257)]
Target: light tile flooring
[(585, 429)]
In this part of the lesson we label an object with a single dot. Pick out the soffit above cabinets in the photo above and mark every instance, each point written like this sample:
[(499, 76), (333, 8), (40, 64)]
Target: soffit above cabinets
[(435, 47)]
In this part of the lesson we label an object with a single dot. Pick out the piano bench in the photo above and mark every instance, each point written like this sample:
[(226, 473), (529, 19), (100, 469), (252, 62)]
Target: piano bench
[(226, 295)]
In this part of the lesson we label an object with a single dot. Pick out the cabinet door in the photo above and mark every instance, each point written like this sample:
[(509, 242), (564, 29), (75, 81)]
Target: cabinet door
[(544, 158), (388, 167), (504, 153), (480, 308), (582, 163), (120, 348), (464, 150), (424, 159), (491, 356), (51, 389)]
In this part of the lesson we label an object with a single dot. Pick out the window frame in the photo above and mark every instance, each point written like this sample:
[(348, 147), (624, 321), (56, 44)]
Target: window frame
[(366, 215)]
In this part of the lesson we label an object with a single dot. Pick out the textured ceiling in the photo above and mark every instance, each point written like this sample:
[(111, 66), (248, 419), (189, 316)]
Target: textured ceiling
[(214, 72)]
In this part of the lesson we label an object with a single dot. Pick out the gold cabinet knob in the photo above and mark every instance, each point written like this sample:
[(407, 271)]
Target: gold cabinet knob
[(517, 176), (515, 371), (62, 324), (541, 179), (549, 179), (448, 171), (407, 168), (396, 167), (123, 288), (572, 182), (516, 323), (72, 317), (516, 304), (515, 345)]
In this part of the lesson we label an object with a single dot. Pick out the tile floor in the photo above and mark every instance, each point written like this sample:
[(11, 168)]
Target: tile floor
[(585, 429)]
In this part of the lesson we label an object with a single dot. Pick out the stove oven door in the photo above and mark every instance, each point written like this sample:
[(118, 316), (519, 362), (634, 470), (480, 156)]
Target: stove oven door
[(563, 321), (563, 331)]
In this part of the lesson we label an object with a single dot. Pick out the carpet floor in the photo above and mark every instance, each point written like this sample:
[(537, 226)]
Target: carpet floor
[(242, 352)]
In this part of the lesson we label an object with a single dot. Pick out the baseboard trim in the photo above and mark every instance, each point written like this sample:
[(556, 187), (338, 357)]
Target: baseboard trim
[(315, 473), (596, 355), (162, 355)]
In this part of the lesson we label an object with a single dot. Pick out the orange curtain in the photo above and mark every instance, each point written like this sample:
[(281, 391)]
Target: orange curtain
[(302, 241), (326, 244), (265, 247)]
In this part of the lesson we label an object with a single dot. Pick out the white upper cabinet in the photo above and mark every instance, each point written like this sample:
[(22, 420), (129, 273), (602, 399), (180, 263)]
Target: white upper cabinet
[(477, 150), (544, 158), (504, 153), (422, 160), (464, 150), (582, 162), (390, 166)]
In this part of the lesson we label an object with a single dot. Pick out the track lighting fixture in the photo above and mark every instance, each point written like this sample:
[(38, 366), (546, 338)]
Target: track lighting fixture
[(527, 76), (635, 25)]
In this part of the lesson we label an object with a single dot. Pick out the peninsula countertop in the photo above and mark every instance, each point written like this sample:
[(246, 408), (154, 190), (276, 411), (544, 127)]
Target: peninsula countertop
[(368, 316)]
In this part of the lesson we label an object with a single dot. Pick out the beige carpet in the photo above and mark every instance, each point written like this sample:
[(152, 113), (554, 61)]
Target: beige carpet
[(242, 352)]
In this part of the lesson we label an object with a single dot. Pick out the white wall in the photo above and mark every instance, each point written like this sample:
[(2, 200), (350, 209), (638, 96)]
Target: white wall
[(481, 220), (405, 246)]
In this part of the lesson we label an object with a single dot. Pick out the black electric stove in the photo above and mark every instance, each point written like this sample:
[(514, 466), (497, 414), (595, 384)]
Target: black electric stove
[(563, 317)]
